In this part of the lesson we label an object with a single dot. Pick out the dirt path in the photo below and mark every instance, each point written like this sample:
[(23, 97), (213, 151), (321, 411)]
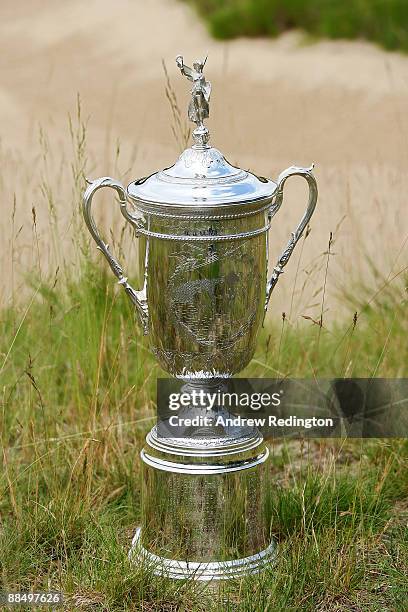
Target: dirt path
[(275, 103)]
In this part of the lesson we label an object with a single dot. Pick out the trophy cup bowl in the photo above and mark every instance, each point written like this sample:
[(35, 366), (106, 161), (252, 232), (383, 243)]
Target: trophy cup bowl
[(203, 228)]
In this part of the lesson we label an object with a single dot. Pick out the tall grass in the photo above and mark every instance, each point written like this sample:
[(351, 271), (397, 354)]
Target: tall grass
[(381, 21), (77, 386)]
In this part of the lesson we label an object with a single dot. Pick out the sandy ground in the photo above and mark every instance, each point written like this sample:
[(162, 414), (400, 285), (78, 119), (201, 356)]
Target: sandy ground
[(274, 104)]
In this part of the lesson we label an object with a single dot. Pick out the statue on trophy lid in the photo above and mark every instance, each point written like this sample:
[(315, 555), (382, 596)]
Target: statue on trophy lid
[(199, 108)]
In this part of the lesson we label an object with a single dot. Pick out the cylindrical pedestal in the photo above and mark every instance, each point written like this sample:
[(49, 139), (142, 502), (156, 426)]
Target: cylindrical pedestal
[(203, 513)]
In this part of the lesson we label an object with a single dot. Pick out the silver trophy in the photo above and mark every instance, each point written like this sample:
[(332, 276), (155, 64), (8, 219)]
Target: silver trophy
[(203, 230)]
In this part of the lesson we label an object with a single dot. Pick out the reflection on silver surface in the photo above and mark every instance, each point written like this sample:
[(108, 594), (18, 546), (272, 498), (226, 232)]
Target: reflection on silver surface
[(202, 225), (216, 570)]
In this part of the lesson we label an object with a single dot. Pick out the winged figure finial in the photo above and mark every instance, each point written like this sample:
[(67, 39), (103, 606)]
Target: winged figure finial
[(198, 108)]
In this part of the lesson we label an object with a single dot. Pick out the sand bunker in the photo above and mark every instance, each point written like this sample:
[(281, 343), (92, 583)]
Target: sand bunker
[(275, 103)]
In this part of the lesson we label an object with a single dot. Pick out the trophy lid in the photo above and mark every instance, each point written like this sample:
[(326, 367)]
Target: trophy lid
[(201, 177)]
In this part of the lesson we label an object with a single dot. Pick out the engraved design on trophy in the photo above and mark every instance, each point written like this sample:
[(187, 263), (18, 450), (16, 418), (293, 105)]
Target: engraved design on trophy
[(203, 228), (203, 307)]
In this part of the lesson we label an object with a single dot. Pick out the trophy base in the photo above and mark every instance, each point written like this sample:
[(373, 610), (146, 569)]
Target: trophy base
[(205, 572), (204, 497)]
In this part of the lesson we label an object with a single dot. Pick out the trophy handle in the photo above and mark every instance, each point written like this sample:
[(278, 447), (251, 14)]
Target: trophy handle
[(138, 298), (285, 255)]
